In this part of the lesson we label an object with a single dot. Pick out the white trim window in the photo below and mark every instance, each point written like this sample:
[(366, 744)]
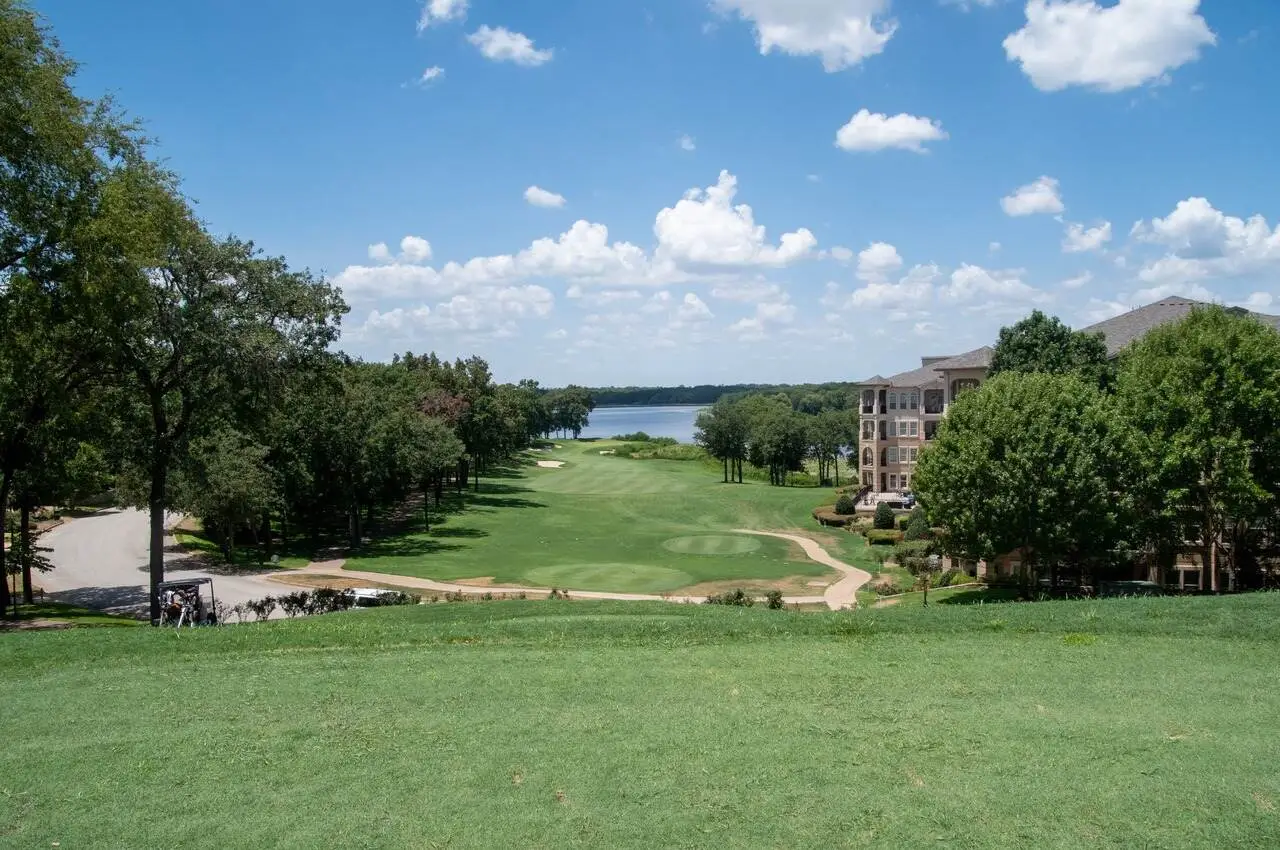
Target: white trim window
[(893, 401), (915, 401), (892, 456), (913, 451), (915, 428)]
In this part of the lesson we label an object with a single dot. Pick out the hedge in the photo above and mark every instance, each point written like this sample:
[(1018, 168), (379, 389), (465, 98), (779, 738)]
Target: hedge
[(883, 537)]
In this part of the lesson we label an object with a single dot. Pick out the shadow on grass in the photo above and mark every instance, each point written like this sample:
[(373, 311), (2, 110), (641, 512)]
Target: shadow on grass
[(413, 545), (130, 600), (978, 596)]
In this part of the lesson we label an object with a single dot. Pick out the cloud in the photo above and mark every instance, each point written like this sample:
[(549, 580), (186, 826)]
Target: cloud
[(441, 11), (1108, 48), (1079, 239), (912, 290), (705, 227), (692, 311), (1077, 281), (878, 261), (970, 282), (925, 328), (602, 297), (1258, 301), (485, 312), (993, 248), (540, 197), (749, 291), (1204, 242), (841, 254), (502, 45), (841, 32), (430, 75), (415, 249), (687, 143), (874, 131), (769, 315), (1039, 196)]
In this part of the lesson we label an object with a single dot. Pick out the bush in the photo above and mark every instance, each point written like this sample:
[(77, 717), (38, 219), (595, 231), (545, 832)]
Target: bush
[(884, 516), (773, 600), (887, 587), (913, 556), (827, 516), (738, 598), (845, 506), (642, 437), (261, 608), (295, 603), (918, 525), (326, 600), (882, 537)]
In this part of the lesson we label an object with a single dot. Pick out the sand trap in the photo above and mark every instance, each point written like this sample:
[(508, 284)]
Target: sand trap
[(608, 452), (551, 464)]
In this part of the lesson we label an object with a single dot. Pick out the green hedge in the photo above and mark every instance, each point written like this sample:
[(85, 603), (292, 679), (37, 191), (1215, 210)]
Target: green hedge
[(883, 537)]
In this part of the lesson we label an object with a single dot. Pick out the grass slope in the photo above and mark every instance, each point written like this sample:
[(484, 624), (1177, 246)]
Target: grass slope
[(608, 523), (1119, 723)]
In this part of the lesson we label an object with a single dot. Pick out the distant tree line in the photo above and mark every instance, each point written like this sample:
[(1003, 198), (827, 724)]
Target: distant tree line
[(187, 371), (1078, 462), (807, 398)]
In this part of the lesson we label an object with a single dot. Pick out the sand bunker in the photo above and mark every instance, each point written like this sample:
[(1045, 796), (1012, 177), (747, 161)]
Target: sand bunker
[(551, 464)]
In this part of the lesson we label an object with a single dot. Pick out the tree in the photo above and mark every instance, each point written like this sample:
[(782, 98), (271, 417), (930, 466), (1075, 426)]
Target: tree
[(56, 149), (918, 525), (200, 327), (1201, 399), (1040, 343), (828, 433), (229, 486), (722, 431), (883, 518), (1026, 462)]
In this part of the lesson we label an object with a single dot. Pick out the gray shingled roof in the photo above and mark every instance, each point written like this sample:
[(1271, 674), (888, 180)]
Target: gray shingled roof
[(922, 377), (876, 379), (1127, 328), (979, 358)]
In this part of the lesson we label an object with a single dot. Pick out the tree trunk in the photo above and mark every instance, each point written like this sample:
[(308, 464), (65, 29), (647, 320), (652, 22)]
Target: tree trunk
[(353, 525), (24, 534), (477, 466), (837, 462), (1211, 541), (155, 506), (268, 539), (5, 481), (726, 469)]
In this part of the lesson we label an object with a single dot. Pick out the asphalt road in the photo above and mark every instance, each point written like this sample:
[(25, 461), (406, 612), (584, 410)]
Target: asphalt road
[(100, 561)]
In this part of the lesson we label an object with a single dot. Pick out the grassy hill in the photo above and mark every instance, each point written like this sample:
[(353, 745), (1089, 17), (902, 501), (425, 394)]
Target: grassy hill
[(1117, 723), (608, 523)]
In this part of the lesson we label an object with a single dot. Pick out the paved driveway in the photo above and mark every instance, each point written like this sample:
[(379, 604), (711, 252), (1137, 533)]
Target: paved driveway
[(100, 561)]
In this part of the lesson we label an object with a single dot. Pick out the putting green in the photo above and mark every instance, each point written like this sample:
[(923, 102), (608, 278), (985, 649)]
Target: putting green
[(623, 578), (712, 544)]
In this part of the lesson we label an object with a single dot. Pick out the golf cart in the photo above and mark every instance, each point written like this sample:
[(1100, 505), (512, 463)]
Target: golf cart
[(187, 602)]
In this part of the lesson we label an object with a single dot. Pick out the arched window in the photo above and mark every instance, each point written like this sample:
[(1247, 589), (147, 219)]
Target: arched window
[(868, 457)]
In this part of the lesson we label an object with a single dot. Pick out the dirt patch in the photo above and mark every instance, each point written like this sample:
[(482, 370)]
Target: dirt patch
[(885, 603), (791, 586), (550, 464), (479, 581), (39, 624), (818, 584)]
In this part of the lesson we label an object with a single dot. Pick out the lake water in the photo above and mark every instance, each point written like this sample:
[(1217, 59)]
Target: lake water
[(675, 421)]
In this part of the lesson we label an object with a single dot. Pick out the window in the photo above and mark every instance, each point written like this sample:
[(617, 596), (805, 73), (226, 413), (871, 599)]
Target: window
[(913, 454), (893, 427), (915, 401), (906, 481), (893, 401), (868, 457), (893, 481), (867, 478), (868, 430), (893, 454), (915, 428)]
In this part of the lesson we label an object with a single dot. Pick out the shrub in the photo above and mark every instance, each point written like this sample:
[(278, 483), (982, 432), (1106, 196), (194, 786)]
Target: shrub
[(558, 594), (326, 600), (913, 556), (884, 516), (918, 525), (293, 604), (261, 608), (845, 505), (737, 597), (398, 597), (882, 537), (887, 587), (773, 600)]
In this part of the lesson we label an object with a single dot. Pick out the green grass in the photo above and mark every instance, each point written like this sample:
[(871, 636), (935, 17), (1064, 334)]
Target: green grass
[(193, 537), (609, 523), (1117, 723), (70, 614)]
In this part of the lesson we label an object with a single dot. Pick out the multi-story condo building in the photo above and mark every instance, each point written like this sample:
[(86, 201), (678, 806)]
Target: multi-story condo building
[(900, 413)]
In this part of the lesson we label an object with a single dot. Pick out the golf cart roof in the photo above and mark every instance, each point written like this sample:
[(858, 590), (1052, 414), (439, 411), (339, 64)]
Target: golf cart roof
[(185, 582)]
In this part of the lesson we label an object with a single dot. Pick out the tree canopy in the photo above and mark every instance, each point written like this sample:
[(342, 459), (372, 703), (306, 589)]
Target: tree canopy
[(1041, 343)]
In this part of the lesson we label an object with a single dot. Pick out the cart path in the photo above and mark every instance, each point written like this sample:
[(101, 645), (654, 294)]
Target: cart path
[(840, 595)]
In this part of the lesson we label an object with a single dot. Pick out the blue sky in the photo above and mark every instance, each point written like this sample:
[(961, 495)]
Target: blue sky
[(563, 186)]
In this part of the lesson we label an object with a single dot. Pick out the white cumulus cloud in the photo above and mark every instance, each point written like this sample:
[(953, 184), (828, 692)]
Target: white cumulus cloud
[(875, 131), (441, 11), (502, 45), (540, 197), (841, 32), (1204, 242), (878, 261), (970, 282), (1036, 197), (1079, 238), (1109, 48), (706, 227), (687, 143), (912, 290)]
